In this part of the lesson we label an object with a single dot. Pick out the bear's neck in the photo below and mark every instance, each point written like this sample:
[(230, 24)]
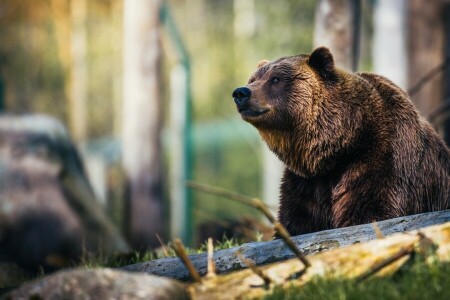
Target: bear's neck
[(289, 150), (306, 155)]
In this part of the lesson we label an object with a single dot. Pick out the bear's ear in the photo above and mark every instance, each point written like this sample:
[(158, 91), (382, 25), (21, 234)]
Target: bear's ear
[(322, 61), (262, 63)]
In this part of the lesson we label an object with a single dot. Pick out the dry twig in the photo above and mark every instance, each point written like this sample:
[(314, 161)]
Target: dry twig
[(386, 262), (252, 266), (163, 246), (211, 263), (282, 232), (254, 202), (181, 253), (377, 230), (261, 206), (429, 76)]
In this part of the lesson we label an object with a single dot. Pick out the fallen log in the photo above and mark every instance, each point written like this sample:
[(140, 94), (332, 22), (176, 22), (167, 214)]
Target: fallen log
[(268, 252), (357, 262)]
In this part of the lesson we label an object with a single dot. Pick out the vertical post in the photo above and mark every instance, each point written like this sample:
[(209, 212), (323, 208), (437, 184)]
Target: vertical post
[(181, 223), (389, 29), (142, 122), (78, 70), (181, 147)]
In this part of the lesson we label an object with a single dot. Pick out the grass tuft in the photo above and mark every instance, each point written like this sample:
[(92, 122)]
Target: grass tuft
[(418, 280), (98, 261)]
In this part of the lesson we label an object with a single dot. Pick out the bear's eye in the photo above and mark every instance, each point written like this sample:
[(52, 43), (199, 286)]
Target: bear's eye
[(275, 79)]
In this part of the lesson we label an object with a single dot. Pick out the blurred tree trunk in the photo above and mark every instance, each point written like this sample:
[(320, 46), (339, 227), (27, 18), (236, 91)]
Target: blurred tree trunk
[(142, 122), (61, 24), (446, 113), (70, 29), (336, 27), (390, 16), (116, 17), (426, 51), (78, 71)]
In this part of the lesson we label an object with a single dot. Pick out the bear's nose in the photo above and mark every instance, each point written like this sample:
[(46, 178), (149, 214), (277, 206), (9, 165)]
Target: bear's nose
[(241, 95)]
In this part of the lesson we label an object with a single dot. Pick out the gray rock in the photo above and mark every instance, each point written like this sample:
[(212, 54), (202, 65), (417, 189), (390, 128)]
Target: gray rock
[(48, 212), (99, 284)]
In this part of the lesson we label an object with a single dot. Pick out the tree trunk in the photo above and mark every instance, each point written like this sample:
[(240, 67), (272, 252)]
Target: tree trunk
[(426, 52), (445, 115), (78, 71), (390, 17), (336, 24), (142, 122)]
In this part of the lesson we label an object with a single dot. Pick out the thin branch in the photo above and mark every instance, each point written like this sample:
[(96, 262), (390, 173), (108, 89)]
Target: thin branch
[(252, 266), (384, 263), (163, 246), (429, 76), (442, 108), (254, 202), (212, 218), (441, 119), (283, 233), (258, 204), (181, 253)]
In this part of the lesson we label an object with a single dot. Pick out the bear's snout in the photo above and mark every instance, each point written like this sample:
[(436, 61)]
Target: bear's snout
[(241, 95)]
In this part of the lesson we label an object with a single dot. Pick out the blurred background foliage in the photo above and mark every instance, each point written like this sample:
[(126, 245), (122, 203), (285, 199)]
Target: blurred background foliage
[(225, 41), (225, 47)]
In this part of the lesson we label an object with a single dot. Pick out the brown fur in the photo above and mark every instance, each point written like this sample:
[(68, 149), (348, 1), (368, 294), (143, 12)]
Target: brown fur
[(355, 149)]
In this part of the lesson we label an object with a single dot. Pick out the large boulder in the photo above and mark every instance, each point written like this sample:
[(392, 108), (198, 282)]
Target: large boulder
[(48, 212), (99, 284)]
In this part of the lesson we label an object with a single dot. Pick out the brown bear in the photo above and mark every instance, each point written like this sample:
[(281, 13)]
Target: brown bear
[(355, 148)]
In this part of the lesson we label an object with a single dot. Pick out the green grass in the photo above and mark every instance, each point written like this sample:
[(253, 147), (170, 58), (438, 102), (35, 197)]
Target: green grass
[(99, 260), (415, 281)]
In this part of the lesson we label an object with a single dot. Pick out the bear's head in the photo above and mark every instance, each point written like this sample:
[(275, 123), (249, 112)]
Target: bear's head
[(296, 104)]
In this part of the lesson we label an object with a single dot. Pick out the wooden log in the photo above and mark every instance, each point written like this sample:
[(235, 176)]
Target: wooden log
[(375, 258), (267, 252)]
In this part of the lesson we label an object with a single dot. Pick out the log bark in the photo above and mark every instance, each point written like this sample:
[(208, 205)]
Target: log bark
[(375, 258), (268, 252)]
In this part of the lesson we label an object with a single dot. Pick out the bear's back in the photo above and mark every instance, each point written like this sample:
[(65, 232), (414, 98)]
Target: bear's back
[(420, 158)]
